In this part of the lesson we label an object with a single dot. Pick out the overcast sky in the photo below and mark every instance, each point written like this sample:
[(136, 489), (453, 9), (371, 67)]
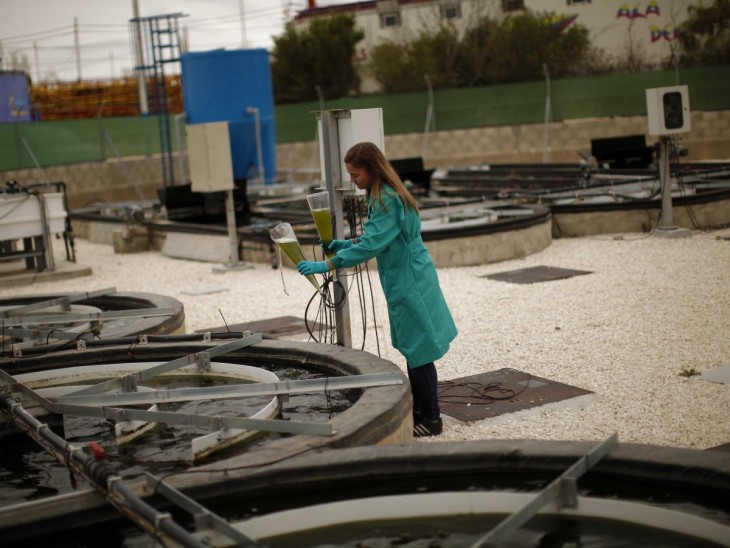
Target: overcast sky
[(42, 31)]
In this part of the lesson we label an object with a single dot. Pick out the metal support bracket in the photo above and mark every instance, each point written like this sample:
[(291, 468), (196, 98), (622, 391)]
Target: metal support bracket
[(203, 361), (231, 391), (129, 384), (560, 491), (204, 518)]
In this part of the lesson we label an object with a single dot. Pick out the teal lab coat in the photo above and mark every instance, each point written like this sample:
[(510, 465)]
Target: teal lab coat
[(421, 326)]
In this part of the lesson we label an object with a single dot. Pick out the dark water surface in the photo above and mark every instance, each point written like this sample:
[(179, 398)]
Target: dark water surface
[(28, 472)]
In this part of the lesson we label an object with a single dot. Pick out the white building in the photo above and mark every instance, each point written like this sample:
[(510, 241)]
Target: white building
[(633, 33)]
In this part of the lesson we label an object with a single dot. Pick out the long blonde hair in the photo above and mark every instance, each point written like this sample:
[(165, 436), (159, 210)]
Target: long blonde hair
[(367, 156)]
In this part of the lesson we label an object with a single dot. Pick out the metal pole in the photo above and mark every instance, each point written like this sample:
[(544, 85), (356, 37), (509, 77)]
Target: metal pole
[(315, 150), (429, 118), (139, 60), (47, 246), (333, 182), (179, 118), (232, 232), (241, 11), (37, 64), (102, 140), (261, 172), (666, 220), (548, 114), (77, 48)]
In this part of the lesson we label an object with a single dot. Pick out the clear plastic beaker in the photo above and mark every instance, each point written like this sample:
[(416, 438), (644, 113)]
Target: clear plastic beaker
[(284, 237), (319, 205)]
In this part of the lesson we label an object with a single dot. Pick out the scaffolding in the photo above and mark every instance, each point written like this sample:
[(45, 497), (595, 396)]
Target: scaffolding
[(157, 46)]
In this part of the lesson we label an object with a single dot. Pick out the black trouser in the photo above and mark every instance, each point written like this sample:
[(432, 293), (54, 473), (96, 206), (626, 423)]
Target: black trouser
[(425, 390)]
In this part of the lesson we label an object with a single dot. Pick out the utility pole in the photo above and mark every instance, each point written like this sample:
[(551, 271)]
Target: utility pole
[(242, 13), (36, 63), (77, 48), (139, 60)]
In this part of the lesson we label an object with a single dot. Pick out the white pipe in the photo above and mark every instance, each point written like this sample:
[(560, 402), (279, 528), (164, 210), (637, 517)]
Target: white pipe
[(139, 60), (259, 153), (180, 148)]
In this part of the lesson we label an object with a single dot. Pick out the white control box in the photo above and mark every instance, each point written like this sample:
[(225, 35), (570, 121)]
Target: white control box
[(667, 110), (209, 155), (353, 126)]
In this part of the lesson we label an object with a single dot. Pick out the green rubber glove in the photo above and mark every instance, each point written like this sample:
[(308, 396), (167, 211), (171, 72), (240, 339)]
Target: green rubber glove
[(306, 268)]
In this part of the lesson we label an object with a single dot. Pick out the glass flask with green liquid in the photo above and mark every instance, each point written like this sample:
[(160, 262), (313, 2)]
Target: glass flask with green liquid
[(323, 221), (319, 205), (284, 237)]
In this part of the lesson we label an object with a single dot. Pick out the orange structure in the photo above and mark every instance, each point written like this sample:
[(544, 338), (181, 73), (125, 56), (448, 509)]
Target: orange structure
[(89, 98)]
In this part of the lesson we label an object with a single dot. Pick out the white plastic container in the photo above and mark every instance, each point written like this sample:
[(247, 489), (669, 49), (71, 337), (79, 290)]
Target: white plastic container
[(20, 215)]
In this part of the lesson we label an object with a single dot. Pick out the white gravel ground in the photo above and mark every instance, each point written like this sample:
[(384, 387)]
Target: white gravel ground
[(651, 309)]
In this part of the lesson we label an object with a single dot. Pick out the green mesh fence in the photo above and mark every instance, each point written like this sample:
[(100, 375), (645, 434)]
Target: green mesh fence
[(522, 103), (77, 141)]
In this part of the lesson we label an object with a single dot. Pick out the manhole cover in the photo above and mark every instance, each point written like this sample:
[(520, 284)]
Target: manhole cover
[(498, 392), (535, 274)]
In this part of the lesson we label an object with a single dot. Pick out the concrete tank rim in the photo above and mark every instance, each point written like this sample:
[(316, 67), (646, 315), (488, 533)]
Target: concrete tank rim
[(153, 325), (379, 412), (700, 474), (387, 405)]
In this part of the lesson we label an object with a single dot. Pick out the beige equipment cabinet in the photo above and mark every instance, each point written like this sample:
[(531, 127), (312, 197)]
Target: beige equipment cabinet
[(209, 152)]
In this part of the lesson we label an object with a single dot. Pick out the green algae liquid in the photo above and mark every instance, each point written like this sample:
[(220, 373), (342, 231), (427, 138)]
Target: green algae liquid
[(292, 249), (323, 221)]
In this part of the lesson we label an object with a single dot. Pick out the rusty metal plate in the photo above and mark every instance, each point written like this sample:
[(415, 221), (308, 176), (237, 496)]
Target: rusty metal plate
[(272, 328), (494, 393), (536, 274)]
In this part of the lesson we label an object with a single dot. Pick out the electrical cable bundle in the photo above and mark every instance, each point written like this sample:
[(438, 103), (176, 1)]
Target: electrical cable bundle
[(322, 328)]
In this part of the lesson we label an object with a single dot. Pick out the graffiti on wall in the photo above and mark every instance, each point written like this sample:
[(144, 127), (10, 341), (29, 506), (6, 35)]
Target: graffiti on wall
[(625, 11), (667, 32)]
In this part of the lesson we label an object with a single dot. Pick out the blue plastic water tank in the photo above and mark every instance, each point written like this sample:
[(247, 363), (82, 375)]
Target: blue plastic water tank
[(219, 86)]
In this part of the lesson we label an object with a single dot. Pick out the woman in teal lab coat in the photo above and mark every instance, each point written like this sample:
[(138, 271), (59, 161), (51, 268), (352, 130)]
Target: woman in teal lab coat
[(421, 326)]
